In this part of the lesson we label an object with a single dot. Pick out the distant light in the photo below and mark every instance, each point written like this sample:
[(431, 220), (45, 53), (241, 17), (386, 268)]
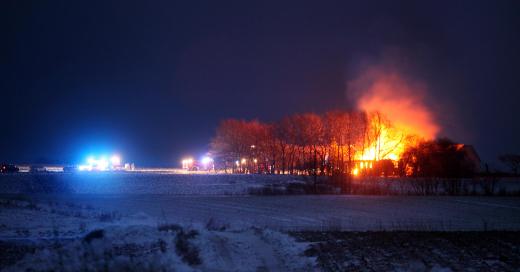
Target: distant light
[(255, 161), (85, 168), (115, 160), (100, 164), (206, 160), (187, 163), (237, 163), (355, 171), (91, 160), (244, 161)]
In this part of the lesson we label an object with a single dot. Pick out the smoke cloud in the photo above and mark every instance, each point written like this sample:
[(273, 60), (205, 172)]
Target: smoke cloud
[(400, 99)]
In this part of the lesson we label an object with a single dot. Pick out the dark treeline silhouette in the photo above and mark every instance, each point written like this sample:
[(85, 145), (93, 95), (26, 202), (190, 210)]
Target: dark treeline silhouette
[(512, 161), (336, 143), (438, 158)]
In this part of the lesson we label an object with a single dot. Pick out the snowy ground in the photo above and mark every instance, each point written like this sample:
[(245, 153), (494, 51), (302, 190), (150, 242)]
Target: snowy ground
[(154, 221), (324, 212), (136, 183), (65, 236), (414, 251), (174, 183)]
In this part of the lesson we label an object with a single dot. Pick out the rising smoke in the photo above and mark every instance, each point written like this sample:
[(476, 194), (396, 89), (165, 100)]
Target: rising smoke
[(400, 99)]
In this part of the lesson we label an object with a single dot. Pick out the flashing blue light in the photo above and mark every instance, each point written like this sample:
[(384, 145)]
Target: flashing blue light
[(101, 163)]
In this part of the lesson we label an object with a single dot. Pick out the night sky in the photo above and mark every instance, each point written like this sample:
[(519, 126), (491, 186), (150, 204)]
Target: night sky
[(151, 79)]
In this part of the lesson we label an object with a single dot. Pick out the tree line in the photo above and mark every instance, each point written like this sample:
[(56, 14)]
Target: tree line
[(313, 144), (336, 143)]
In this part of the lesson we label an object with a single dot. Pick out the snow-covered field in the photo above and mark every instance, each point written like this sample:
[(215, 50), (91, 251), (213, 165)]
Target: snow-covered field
[(136, 183), (175, 183), (323, 212), (56, 235), (151, 221)]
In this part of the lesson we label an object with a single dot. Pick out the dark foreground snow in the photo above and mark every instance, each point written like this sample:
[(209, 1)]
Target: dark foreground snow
[(131, 222), (414, 251)]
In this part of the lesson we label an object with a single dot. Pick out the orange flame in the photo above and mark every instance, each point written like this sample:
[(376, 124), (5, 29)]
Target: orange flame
[(397, 114)]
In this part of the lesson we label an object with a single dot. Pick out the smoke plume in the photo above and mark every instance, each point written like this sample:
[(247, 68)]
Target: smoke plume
[(400, 99)]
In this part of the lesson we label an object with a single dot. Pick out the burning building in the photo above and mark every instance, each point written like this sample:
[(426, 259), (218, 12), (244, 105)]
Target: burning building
[(398, 119), (391, 127)]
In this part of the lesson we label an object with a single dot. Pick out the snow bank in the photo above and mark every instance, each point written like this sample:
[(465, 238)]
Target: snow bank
[(71, 236), (146, 248)]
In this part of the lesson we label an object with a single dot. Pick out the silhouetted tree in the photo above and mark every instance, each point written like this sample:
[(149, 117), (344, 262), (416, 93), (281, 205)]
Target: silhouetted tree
[(512, 161), (437, 158)]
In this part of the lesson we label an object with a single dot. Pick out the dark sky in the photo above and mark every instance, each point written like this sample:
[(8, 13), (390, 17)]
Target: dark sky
[(152, 79)]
